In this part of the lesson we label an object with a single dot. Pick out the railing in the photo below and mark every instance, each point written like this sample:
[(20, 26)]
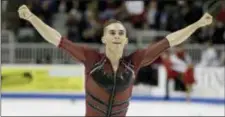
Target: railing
[(12, 52), (31, 52)]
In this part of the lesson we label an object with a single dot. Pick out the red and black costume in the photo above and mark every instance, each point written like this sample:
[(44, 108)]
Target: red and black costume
[(108, 93)]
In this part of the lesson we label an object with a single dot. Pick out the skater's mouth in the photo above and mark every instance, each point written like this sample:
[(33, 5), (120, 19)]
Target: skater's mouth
[(116, 42)]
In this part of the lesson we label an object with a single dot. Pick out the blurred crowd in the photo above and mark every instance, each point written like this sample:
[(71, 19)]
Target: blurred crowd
[(82, 20)]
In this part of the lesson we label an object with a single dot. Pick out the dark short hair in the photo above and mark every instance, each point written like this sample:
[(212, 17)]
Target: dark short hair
[(111, 21)]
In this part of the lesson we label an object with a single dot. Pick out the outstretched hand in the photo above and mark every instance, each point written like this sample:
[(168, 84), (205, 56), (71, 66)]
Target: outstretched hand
[(24, 12), (205, 20)]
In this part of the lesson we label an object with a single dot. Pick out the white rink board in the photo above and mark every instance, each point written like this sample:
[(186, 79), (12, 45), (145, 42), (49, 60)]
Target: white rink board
[(209, 84), (34, 107)]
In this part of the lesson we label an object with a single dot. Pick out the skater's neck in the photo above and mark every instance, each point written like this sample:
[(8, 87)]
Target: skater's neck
[(114, 57)]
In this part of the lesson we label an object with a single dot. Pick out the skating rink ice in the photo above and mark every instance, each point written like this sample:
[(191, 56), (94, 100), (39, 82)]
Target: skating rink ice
[(51, 107)]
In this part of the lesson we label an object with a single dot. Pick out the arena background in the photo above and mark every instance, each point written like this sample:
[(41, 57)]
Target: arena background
[(40, 79)]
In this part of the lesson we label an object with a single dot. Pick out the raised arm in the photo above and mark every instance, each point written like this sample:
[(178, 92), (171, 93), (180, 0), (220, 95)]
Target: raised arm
[(48, 33), (146, 56), (52, 36)]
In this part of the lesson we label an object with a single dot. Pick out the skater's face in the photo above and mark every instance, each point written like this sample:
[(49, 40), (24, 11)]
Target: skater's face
[(115, 36)]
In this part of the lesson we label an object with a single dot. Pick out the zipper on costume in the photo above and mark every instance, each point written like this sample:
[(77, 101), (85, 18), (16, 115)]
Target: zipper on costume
[(112, 96)]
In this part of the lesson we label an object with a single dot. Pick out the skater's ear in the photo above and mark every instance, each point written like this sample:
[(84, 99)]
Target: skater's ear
[(103, 40)]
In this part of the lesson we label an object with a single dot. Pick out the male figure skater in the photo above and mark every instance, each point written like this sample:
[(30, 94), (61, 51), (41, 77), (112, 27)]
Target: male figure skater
[(110, 76)]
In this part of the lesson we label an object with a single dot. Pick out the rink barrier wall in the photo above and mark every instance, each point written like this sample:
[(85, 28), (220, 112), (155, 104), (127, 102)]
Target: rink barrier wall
[(208, 89)]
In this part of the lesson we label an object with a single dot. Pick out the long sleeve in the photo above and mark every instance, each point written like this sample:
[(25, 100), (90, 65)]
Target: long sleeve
[(81, 53), (144, 57)]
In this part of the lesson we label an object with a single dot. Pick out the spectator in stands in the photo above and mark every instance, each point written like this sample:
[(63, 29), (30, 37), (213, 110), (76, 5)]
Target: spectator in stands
[(121, 12), (163, 15), (45, 11), (137, 13), (152, 13), (109, 12), (130, 30), (91, 24), (194, 11), (73, 23), (135, 7), (221, 15), (218, 33), (176, 19), (60, 17)]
